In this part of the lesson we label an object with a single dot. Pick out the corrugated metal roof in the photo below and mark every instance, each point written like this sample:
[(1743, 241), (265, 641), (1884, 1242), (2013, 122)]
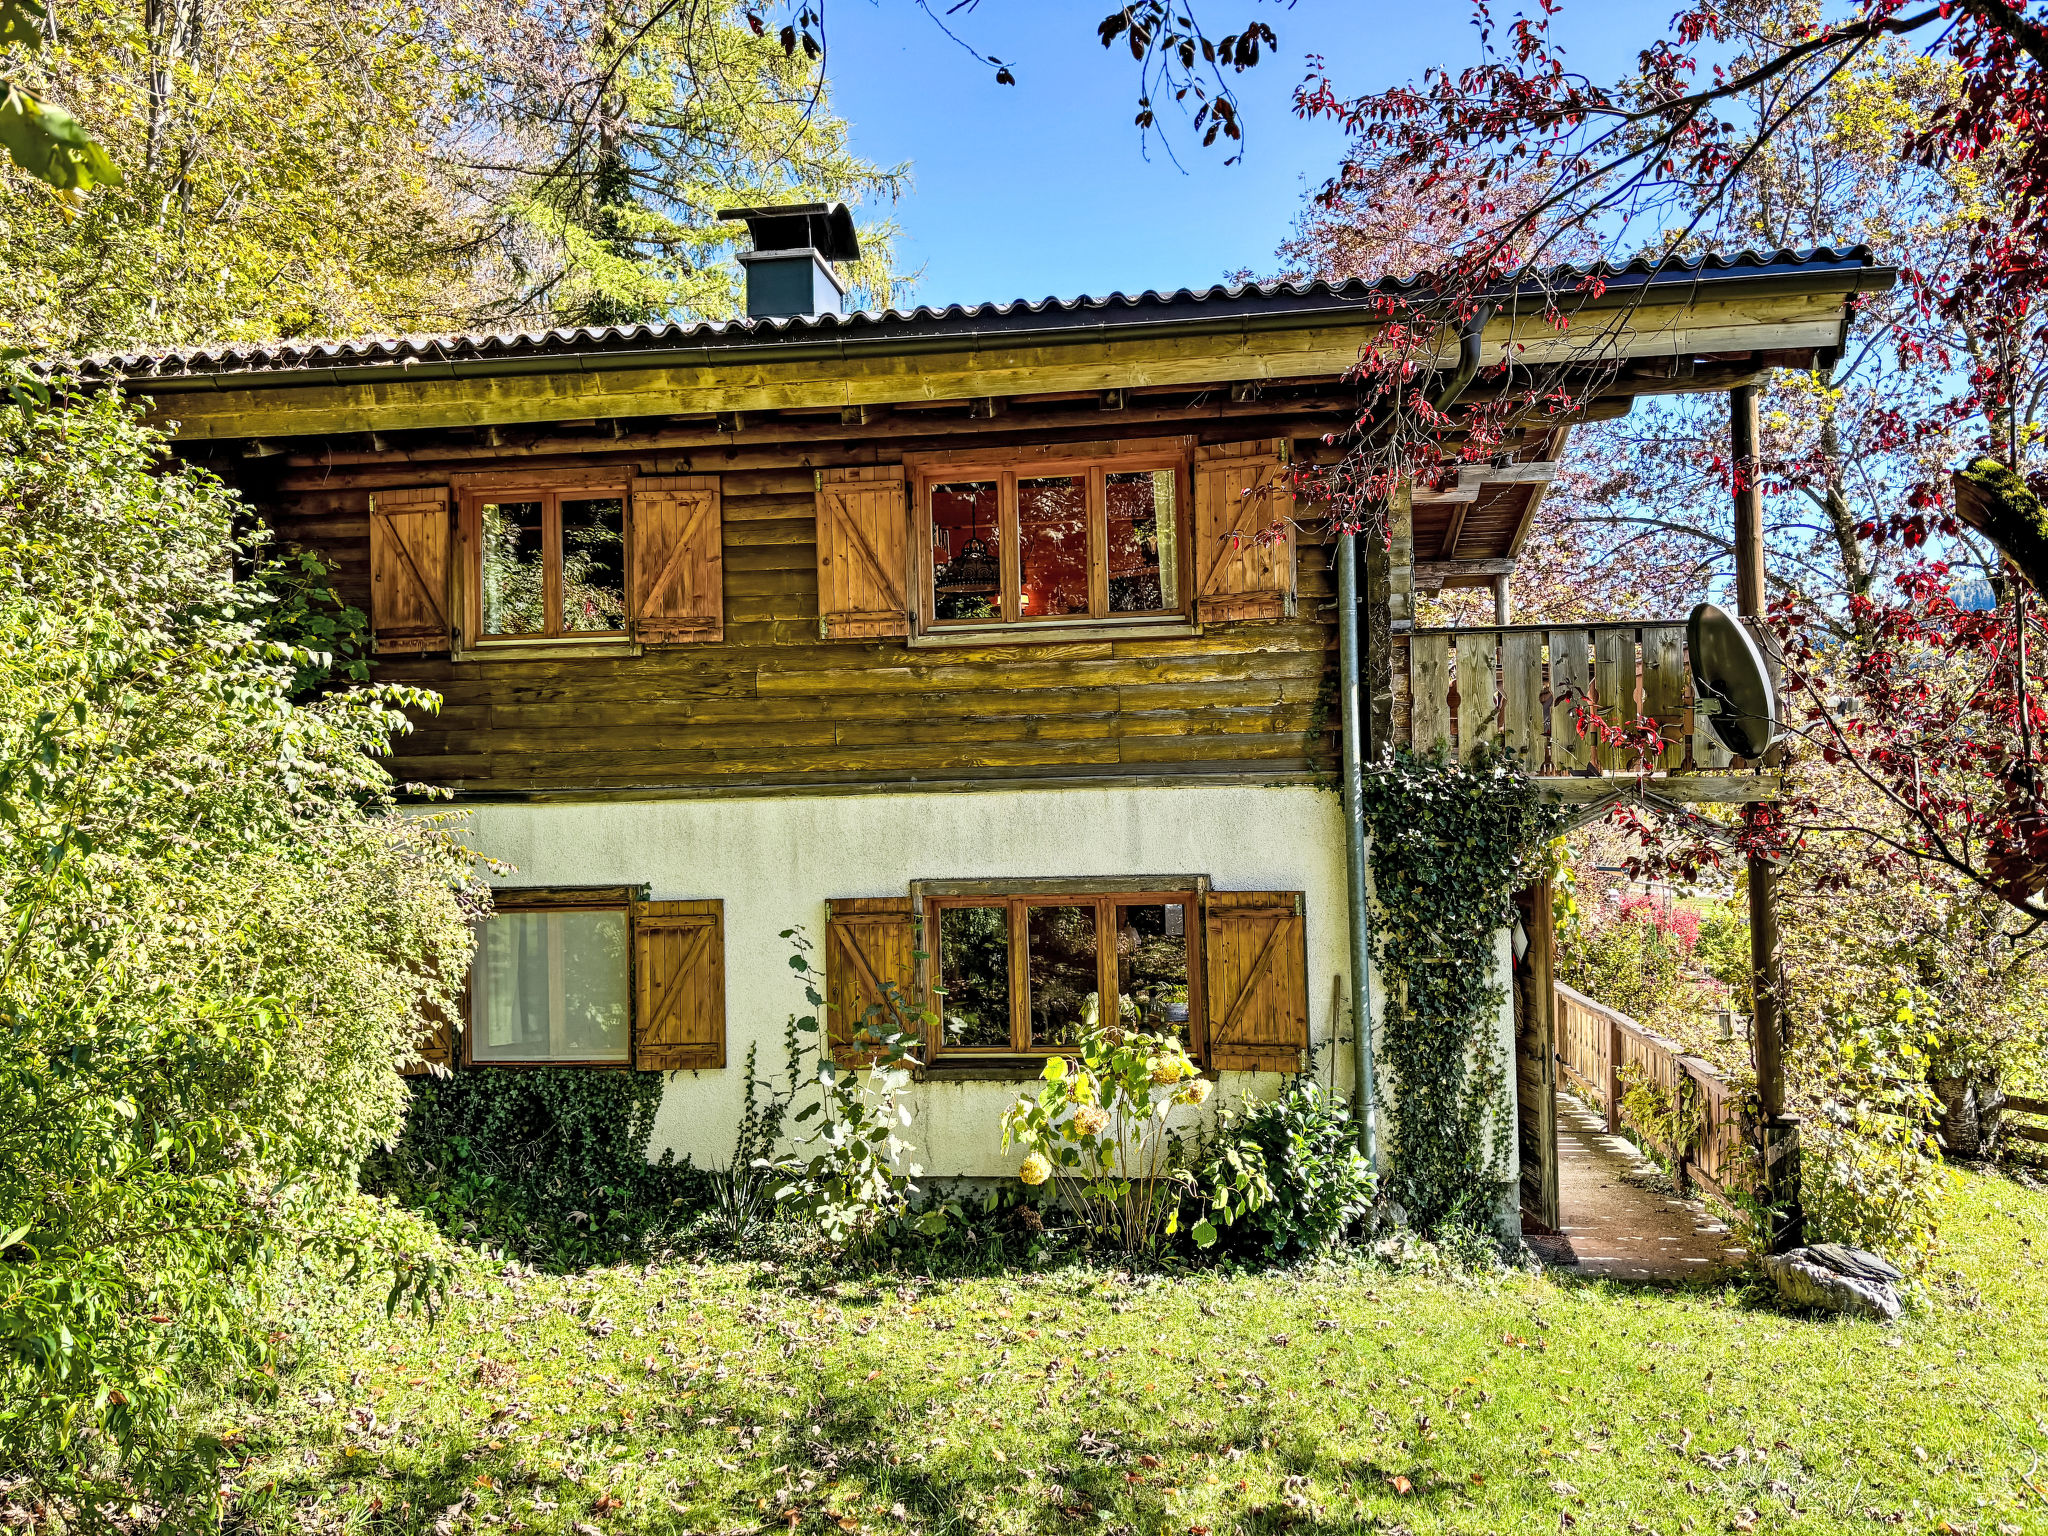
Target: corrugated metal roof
[(1276, 301)]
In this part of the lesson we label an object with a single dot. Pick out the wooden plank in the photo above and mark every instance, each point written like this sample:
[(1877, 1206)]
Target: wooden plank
[(1570, 682), (1429, 706), (1478, 710), (1664, 680), (1614, 686), (1521, 685)]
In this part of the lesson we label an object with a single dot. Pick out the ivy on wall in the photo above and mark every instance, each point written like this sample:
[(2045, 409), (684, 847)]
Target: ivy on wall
[(550, 1162), (1451, 844)]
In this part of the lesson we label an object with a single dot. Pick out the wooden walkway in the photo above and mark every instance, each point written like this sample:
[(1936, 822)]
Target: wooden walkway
[(1613, 1226)]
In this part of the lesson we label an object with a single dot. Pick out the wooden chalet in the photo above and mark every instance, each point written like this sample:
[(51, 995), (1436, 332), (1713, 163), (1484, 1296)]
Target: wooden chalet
[(942, 631)]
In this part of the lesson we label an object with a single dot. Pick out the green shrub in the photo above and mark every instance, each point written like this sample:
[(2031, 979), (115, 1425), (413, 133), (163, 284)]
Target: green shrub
[(218, 939), (549, 1162), (1293, 1166)]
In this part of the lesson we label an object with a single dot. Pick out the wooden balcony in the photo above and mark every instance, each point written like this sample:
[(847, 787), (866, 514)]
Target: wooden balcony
[(1521, 684)]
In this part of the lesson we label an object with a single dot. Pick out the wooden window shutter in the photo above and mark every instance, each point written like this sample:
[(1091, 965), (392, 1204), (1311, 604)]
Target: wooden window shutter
[(439, 1048), (1257, 956), (678, 985), (677, 559), (868, 942), (1241, 490), (409, 570), (863, 553)]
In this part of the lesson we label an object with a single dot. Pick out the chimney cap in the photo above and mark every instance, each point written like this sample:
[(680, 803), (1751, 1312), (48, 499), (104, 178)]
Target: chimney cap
[(826, 228)]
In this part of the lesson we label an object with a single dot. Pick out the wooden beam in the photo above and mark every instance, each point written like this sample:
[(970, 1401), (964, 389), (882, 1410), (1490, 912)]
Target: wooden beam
[(543, 389)]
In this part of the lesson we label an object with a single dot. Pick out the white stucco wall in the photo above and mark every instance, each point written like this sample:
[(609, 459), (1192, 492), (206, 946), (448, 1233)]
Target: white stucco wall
[(776, 861)]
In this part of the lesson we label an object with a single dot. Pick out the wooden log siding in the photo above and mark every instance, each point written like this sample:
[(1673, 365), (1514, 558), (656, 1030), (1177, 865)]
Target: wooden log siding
[(1596, 1047), (772, 705), (1467, 687)]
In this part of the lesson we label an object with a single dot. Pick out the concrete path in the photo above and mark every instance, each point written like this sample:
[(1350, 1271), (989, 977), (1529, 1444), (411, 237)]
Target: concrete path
[(1618, 1222)]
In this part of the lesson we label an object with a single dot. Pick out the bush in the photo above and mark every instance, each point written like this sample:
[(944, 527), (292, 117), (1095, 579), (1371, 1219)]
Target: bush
[(1293, 1166), (220, 937), (549, 1162), (1637, 960), (1097, 1132)]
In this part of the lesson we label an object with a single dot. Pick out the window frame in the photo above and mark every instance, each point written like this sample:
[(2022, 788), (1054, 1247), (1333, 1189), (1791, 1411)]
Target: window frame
[(1006, 467), (550, 489), (1016, 897), (595, 898)]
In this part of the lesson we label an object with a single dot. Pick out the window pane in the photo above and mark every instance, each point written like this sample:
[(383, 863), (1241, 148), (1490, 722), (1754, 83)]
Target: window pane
[(1142, 543), (513, 553), (1062, 972), (550, 986), (1052, 542), (966, 569), (594, 564), (1152, 967), (974, 970)]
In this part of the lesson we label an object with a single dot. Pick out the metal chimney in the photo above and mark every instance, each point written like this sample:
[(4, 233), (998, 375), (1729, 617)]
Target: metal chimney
[(789, 270)]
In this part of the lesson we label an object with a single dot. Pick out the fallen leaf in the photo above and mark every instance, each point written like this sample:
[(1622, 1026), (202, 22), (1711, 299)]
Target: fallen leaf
[(1399, 1484)]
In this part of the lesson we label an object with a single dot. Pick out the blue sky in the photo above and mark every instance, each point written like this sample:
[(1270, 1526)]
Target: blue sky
[(1044, 188)]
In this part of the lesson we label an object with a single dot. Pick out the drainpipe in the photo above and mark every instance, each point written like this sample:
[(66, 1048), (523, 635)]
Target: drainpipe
[(1352, 702)]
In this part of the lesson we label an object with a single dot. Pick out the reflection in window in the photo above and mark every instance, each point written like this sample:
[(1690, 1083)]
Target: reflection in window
[(594, 564), (974, 970), (1052, 545), (1060, 942), (966, 569), (514, 559), (1152, 967), (550, 986), (1142, 548)]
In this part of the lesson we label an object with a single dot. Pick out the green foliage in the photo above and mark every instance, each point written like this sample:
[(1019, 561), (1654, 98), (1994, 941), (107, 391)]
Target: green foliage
[(1098, 1130), (1672, 1120), (307, 612), (1451, 843), (1286, 1172), (1871, 1171), (216, 939), (320, 168), (548, 1162), (858, 1177)]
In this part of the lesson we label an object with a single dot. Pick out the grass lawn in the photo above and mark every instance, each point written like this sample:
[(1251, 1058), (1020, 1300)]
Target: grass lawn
[(727, 1397)]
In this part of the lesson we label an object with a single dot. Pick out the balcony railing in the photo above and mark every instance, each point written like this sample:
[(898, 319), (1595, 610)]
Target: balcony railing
[(1522, 684)]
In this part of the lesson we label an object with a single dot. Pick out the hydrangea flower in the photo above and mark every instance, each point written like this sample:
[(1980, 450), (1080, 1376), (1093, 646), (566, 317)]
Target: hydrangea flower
[(1089, 1119), (1036, 1169)]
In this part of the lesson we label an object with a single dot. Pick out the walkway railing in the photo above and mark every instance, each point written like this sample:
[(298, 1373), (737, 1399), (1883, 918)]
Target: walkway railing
[(1523, 683), (1700, 1128)]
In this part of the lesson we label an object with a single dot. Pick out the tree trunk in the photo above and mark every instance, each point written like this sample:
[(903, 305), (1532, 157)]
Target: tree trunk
[(1996, 502), (1855, 565)]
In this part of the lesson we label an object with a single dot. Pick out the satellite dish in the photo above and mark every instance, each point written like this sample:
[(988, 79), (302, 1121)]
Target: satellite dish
[(1731, 682)]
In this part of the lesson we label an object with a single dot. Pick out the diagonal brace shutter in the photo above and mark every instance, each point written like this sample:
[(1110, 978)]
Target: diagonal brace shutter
[(678, 559), (1244, 533), (678, 985), (870, 948), (863, 553), (1256, 948), (409, 541)]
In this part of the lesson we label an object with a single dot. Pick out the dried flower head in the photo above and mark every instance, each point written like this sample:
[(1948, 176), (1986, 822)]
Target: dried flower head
[(1036, 1169), (1089, 1119), (1193, 1091), (1168, 1069)]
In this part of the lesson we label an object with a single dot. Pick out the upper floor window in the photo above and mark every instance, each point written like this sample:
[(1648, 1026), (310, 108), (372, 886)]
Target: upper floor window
[(1046, 539), (553, 563)]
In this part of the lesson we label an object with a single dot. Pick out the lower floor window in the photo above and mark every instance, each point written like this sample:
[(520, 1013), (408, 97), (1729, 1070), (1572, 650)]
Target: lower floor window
[(1027, 974), (552, 986)]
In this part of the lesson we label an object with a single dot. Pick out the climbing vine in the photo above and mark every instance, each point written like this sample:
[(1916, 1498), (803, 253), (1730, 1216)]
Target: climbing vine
[(1451, 843), (548, 1162)]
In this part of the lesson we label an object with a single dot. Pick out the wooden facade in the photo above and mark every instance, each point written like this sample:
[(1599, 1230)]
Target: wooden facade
[(794, 684)]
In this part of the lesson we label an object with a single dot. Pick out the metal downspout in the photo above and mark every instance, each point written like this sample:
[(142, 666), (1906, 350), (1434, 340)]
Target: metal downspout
[(1352, 701)]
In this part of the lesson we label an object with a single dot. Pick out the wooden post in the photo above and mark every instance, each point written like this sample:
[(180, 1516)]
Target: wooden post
[(1767, 1018), (1613, 1078), (1503, 607)]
